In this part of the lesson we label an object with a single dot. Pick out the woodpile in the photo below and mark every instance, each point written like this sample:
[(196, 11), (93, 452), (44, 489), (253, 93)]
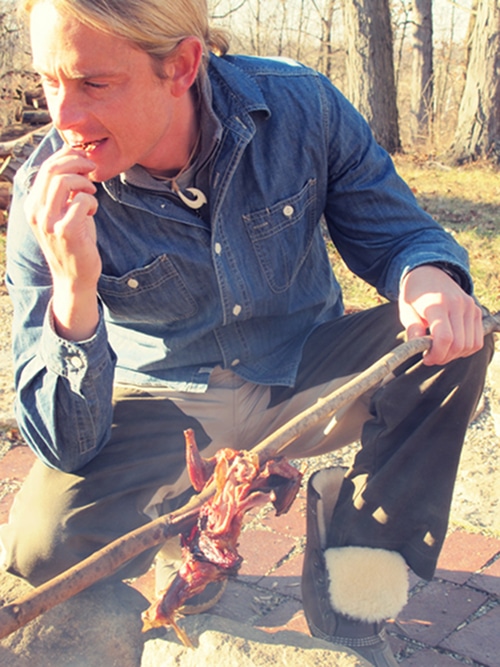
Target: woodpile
[(23, 110), (12, 155), (18, 140)]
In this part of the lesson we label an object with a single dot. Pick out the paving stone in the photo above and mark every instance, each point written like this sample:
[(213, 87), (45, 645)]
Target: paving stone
[(414, 580), (433, 613), (279, 617), (145, 584), (489, 579), (297, 623), (292, 524), (286, 579), (464, 554), (238, 603), (261, 550), (397, 644), (479, 640), (429, 658)]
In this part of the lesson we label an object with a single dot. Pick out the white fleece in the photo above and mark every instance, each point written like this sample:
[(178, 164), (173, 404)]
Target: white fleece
[(367, 584)]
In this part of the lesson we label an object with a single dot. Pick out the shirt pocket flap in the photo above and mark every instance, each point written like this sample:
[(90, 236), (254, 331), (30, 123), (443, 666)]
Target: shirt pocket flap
[(153, 293)]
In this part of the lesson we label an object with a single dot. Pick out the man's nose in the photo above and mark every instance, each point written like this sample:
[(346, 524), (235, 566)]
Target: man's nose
[(65, 109)]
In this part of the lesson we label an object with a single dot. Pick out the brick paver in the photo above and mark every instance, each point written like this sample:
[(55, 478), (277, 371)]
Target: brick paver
[(479, 639), (489, 579), (463, 554), (435, 611), (451, 621), (431, 658)]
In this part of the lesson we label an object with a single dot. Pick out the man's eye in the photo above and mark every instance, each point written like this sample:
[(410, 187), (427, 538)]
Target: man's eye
[(93, 84)]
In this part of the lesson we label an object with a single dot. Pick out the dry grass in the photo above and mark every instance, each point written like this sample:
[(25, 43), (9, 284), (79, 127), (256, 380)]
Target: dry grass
[(466, 201)]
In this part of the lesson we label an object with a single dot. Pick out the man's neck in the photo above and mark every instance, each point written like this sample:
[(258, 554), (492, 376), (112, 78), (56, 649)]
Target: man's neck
[(185, 139)]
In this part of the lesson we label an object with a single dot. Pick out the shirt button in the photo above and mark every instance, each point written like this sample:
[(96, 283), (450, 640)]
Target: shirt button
[(133, 283), (237, 310), (288, 210), (218, 248), (75, 361), (235, 362)]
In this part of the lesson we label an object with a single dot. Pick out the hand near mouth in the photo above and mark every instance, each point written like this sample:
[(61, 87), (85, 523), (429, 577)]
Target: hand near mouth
[(60, 209)]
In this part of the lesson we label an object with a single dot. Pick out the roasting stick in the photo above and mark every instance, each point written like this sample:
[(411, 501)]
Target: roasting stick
[(278, 441), (110, 558)]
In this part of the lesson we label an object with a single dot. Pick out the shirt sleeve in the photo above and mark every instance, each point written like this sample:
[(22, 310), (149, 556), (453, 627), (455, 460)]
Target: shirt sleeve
[(63, 388), (372, 215)]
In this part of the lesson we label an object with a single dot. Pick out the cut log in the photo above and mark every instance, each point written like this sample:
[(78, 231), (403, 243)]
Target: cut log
[(36, 117), (26, 141)]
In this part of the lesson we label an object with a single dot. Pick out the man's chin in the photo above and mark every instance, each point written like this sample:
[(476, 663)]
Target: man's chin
[(101, 174)]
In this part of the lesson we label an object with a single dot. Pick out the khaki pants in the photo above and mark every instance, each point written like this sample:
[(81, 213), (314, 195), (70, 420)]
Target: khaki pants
[(396, 496)]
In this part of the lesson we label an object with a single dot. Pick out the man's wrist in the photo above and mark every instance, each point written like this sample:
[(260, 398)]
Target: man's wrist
[(455, 273)]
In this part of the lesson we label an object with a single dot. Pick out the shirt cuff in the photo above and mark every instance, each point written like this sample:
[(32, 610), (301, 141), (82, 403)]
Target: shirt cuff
[(74, 361), (455, 272)]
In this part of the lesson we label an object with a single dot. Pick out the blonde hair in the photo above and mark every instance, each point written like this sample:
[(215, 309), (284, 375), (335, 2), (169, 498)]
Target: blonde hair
[(155, 26)]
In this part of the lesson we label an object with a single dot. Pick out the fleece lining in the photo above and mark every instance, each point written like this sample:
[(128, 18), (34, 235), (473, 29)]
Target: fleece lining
[(367, 584)]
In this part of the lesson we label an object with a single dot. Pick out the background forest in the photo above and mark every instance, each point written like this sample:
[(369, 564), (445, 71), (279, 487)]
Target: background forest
[(423, 72)]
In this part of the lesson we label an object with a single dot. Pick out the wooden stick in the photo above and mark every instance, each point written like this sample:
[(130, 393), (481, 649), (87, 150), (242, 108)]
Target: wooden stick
[(109, 559), (99, 565), (353, 389)]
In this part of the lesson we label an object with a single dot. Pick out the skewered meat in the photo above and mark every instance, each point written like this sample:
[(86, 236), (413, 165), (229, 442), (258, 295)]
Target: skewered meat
[(210, 550)]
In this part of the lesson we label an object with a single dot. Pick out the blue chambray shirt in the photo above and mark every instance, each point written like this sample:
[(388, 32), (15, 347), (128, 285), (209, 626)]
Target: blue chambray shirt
[(179, 296)]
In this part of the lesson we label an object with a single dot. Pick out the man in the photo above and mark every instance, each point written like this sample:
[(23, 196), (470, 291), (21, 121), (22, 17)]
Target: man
[(168, 270)]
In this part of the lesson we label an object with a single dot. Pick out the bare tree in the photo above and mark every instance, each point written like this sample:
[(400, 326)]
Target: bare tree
[(401, 13), (422, 80), (478, 126), (370, 68), (325, 15)]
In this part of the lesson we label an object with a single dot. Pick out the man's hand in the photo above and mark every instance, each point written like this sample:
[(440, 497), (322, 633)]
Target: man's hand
[(430, 301), (60, 209)]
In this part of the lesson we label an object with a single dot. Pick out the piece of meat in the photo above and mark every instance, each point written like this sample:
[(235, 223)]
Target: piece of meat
[(210, 550)]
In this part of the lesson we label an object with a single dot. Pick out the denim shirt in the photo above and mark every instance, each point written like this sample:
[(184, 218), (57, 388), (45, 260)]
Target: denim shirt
[(178, 296)]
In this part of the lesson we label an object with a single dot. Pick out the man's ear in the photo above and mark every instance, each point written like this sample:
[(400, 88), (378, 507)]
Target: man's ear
[(181, 68)]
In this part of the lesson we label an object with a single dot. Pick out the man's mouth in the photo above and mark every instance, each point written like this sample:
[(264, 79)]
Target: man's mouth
[(87, 146)]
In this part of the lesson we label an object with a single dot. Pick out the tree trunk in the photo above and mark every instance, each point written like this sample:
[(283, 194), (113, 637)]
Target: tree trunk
[(422, 83), (478, 127), (370, 68)]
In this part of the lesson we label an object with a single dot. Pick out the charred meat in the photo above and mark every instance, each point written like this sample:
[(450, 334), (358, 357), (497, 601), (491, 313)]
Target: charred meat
[(210, 550)]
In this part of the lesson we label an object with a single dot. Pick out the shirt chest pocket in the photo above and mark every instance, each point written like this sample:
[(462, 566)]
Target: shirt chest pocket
[(282, 235), (154, 293)]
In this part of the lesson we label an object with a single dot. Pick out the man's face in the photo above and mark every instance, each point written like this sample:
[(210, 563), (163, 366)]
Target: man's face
[(102, 93)]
